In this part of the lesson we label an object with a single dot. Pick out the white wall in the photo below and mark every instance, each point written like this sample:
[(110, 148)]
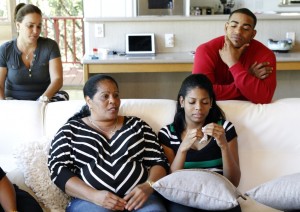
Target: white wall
[(5, 34), (189, 31)]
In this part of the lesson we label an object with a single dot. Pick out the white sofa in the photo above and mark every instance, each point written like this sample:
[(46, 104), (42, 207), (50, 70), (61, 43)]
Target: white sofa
[(268, 135)]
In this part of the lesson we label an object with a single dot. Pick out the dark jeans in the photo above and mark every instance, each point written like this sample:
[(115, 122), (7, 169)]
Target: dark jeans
[(293, 211), (25, 202)]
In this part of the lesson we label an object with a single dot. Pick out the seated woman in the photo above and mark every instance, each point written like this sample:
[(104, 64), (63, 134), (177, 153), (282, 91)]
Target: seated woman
[(200, 136), (107, 162), (30, 65), (14, 199)]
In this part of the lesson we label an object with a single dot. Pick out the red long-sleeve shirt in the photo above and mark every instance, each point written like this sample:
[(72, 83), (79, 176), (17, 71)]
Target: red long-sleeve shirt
[(236, 82)]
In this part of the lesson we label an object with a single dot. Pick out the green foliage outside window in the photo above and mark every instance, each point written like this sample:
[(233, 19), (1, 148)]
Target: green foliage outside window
[(60, 7), (52, 9), (3, 10)]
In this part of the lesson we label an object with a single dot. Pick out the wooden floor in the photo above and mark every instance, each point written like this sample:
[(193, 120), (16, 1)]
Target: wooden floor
[(73, 76), (73, 80)]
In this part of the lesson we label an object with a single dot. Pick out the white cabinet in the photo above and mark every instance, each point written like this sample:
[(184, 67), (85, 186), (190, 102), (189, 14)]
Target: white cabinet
[(205, 7), (108, 8), (127, 8)]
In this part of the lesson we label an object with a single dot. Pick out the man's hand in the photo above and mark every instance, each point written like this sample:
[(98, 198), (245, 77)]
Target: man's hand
[(230, 54), (261, 70)]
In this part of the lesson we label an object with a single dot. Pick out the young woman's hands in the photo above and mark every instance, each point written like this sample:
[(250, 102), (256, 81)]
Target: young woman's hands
[(192, 137), (217, 131)]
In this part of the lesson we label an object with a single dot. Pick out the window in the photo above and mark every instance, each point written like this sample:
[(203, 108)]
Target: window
[(3, 11)]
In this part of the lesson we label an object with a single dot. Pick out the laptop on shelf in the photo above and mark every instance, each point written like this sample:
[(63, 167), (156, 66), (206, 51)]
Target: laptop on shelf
[(140, 45)]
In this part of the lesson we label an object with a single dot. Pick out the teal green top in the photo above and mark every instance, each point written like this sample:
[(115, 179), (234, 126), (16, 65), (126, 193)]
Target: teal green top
[(203, 164)]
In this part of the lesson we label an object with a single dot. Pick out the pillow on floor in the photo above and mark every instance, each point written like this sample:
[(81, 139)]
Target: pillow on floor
[(198, 188), (32, 158), (282, 193)]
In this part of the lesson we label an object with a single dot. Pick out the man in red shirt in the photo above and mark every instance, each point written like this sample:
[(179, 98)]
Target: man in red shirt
[(238, 66)]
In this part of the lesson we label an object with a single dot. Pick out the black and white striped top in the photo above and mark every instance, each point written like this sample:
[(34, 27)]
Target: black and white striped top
[(117, 164)]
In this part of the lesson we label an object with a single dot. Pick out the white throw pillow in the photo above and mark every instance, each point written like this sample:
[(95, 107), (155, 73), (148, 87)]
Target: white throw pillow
[(32, 158), (198, 188), (282, 193)]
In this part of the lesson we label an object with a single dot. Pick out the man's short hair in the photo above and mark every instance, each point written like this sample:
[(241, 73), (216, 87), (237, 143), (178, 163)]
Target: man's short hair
[(246, 12)]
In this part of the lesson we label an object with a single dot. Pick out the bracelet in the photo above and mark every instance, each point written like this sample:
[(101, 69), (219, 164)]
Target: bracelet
[(44, 98), (150, 183)]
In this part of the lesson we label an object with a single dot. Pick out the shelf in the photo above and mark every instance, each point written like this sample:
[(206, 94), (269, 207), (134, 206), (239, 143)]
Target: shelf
[(290, 5)]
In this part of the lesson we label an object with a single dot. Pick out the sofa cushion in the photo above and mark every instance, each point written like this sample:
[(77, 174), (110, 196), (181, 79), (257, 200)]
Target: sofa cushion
[(32, 158), (198, 188), (21, 121), (267, 139), (282, 193)]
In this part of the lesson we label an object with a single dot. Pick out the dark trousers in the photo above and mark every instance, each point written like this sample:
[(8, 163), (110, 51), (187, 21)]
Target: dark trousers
[(25, 202)]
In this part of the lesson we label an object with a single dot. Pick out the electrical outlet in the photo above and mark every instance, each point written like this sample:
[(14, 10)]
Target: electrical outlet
[(169, 40), (292, 36), (99, 30)]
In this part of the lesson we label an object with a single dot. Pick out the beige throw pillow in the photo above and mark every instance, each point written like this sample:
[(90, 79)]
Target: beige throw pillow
[(32, 158)]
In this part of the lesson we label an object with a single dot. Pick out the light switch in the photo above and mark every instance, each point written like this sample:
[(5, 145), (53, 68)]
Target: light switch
[(169, 40), (292, 36), (99, 30)]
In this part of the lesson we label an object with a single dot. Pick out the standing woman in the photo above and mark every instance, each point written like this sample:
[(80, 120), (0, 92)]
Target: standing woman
[(30, 65), (200, 136)]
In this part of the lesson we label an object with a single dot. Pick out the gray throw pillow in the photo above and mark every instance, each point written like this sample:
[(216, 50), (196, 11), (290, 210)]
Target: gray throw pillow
[(282, 193), (198, 188)]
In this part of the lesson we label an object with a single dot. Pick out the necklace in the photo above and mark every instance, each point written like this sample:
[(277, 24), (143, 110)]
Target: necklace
[(22, 48), (110, 132), (27, 56)]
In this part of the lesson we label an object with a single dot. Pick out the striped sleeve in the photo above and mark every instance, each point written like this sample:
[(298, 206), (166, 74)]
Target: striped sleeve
[(153, 152), (168, 138), (60, 158), (229, 130)]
